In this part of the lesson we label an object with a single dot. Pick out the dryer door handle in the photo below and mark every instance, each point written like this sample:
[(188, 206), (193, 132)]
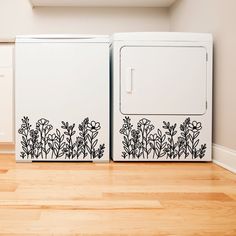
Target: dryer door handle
[(128, 79)]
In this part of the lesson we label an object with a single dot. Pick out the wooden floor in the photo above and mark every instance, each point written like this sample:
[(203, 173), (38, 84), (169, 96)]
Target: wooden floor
[(116, 199)]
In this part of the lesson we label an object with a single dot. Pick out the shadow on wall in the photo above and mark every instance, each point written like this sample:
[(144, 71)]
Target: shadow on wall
[(18, 17), (100, 20)]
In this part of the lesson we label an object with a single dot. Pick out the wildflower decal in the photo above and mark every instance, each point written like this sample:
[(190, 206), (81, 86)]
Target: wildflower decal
[(42, 143), (144, 143)]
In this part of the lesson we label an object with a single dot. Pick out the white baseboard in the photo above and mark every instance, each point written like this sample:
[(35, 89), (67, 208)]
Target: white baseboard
[(7, 152), (224, 157)]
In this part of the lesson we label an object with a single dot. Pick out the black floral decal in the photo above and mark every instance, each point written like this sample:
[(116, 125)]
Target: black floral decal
[(144, 143), (42, 143)]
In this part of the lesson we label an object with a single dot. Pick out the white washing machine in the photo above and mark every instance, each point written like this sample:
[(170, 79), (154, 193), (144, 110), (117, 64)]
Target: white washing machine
[(161, 97), (62, 98)]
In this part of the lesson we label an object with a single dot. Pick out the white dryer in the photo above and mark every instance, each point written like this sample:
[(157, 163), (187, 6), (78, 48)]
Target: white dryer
[(161, 97), (62, 98)]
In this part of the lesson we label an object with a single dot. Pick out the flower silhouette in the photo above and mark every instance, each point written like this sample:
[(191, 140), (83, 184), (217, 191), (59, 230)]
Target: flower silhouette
[(48, 128), (122, 130), (127, 124), (195, 126), (34, 134), (150, 128), (144, 122), (21, 131), (94, 126), (153, 137), (51, 137), (42, 121), (135, 133)]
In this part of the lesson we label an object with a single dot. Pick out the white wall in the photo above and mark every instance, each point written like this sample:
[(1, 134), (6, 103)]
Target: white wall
[(18, 17), (217, 17)]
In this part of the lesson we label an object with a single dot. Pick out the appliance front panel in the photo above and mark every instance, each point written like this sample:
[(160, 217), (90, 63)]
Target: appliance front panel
[(62, 101), (163, 80), (154, 136)]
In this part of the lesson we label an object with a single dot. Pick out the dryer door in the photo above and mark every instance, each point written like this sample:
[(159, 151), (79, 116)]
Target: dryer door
[(163, 80)]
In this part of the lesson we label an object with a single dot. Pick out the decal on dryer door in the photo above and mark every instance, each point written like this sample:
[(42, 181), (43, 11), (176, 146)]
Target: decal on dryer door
[(144, 143), (43, 143)]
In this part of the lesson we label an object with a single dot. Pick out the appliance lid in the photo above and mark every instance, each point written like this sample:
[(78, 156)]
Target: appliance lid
[(63, 38), (162, 36)]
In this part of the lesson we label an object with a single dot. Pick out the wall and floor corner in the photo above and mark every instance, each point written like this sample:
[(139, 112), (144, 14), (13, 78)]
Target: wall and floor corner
[(216, 17)]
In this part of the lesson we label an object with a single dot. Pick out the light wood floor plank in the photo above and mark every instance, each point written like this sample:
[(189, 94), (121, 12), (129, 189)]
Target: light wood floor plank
[(70, 199)]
